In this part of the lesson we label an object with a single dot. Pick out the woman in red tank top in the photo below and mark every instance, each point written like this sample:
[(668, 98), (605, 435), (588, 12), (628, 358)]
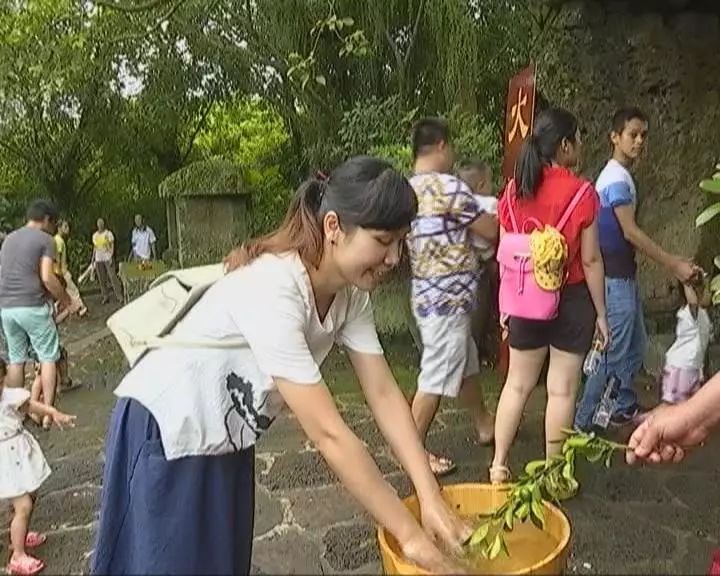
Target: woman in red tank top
[(545, 185)]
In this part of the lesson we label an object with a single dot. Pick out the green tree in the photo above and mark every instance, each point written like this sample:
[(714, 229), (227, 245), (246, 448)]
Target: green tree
[(54, 93), (432, 56), (253, 135)]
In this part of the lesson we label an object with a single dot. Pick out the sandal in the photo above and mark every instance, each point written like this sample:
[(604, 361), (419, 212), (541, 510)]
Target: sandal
[(25, 566), (500, 475), (441, 466), (35, 539)]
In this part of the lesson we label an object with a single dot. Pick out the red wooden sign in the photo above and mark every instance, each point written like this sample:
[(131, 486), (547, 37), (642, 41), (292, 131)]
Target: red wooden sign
[(519, 116)]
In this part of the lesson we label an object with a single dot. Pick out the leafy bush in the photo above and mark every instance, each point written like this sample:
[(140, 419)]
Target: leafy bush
[(472, 138), (79, 253), (399, 155), (252, 135), (12, 212), (376, 123)]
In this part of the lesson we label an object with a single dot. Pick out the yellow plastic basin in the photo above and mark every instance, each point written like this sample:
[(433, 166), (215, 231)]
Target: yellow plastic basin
[(475, 499)]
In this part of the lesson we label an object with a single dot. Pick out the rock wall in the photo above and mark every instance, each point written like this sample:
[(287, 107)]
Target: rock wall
[(604, 55)]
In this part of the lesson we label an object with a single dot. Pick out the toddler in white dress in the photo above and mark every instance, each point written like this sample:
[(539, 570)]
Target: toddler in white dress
[(682, 374), (23, 469)]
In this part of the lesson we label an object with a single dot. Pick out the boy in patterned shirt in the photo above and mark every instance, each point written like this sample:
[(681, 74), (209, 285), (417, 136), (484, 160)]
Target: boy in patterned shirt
[(444, 282)]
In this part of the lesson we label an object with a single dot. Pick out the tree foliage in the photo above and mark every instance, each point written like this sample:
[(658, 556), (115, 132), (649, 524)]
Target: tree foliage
[(252, 134), (101, 101)]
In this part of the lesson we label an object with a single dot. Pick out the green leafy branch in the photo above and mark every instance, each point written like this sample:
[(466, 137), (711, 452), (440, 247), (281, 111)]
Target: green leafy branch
[(302, 68), (550, 479), (711, 185)]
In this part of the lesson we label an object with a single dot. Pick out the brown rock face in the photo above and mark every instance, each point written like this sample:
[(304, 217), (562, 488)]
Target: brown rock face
[(666, 61)]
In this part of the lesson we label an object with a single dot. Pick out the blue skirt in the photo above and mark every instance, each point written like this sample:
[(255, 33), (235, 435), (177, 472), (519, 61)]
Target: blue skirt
[(192, 515)]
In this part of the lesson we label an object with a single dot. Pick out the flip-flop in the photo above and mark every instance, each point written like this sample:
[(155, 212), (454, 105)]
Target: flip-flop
[(441, 466), (35, 539), (25, 566)]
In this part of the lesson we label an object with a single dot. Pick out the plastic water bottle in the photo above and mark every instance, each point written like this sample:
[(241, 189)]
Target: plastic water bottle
[(608, 403), (593, 358)]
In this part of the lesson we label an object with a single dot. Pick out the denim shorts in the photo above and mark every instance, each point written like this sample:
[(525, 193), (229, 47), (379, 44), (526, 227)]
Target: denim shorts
[(31, 327)]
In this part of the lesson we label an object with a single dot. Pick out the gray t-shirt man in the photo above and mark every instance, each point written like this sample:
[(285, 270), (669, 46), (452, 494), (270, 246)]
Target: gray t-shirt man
[(20, 281)]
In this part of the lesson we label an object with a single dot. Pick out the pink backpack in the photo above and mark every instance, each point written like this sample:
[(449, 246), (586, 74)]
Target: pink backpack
[(520, 296)]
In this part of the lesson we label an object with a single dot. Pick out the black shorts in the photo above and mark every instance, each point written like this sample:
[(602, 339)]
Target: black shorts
[(572, 331)]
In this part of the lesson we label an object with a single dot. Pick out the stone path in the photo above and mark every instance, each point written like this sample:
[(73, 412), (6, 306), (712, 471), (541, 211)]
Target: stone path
[(78, 346), (661, 521)]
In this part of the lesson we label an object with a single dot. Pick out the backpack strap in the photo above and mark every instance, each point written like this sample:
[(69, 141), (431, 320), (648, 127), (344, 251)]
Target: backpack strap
[(170, 341), (571, 207), (511, 191)]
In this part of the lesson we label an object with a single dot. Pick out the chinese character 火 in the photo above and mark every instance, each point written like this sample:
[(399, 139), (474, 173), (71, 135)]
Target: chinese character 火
[(518, 120)]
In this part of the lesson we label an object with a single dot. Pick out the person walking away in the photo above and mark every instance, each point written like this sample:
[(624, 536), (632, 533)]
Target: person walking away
[(684, 367), (26, 266), (77, 306), (142, 241), (477, 174), (444, 283), (546, 193), (103, 259), (23, 469), (620, 238), (187, 419)]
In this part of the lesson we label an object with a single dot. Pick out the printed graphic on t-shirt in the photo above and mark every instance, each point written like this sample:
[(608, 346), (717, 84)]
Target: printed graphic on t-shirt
[(444, 264), (246, 413)]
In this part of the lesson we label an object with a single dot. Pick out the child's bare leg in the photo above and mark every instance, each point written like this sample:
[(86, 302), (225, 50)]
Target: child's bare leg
[(62, 316), (36, 394), (22, 506), (48, 375)]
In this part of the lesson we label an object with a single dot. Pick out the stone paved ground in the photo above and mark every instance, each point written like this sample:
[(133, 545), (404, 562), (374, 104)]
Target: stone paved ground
[(661, 521)]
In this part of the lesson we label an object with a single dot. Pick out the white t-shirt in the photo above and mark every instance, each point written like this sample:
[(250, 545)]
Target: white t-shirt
[(142, 241), (488, 204), (692, 337), (216, 401)]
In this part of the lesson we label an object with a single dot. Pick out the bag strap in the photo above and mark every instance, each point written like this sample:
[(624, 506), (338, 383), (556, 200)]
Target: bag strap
[(511, 191), (571, 207), (170, 342)]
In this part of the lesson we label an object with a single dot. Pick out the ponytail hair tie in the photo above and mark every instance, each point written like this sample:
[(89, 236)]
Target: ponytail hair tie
[(322, 180)]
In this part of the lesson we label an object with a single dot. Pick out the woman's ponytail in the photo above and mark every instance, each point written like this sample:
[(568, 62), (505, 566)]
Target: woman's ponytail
[(528, 170), (300, 231), (551, 127), (363, 192)]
